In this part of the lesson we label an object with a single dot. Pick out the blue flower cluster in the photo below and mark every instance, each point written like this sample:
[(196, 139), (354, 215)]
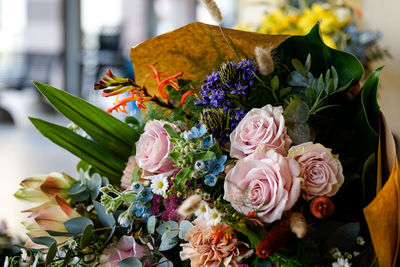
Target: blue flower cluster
[(360, 41), (198, 132), (231, 79), (211, 168), (141, 206)]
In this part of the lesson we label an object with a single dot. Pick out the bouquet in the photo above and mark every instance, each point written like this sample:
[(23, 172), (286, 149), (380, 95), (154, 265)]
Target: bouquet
[(253, 150), (339, 26)]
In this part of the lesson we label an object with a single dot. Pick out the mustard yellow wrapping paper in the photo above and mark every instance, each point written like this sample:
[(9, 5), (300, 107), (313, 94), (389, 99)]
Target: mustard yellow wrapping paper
[(195, 49)]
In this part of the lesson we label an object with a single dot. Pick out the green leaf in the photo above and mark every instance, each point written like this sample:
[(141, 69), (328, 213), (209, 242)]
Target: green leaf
[(101, 159), (77, 225), (109, 132), (285, 91), (171, 131), (323, 57), (129, 197), (132, 120), (343, 238), (298, 67), (174, 156), (76, 188), (82, 166), (335, 77), (182, 176), (216, 149), (307, 65), (205, 155), (86, 236), (130, 262), (297, 112), (105, 219), (51, 253), (167, 244), (275, 83), (67, 257), (44, 240), (369, 179), (135, 175), (151, 224), (56, 233)]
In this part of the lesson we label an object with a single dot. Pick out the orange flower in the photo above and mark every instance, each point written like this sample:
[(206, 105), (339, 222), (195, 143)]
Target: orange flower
[(274, 240), (322, 207)]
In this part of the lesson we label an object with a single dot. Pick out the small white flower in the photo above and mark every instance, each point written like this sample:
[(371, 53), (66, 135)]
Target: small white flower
[(24, 254), (72, 244), (213, 217), (360, 240), (341, 263), (202, 210), (6, 262), (356, 253), (124, 221), (335, 253), (159, 185)]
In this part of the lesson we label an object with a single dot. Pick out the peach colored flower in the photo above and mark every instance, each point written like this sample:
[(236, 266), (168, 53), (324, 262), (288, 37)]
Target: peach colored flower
[(211, 246), (126, 180)]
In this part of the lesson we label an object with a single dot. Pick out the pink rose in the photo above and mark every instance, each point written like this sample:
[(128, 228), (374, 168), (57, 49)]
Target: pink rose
[(126, 247), (153, 147), (261, 127), (264, 182), (322, 172)]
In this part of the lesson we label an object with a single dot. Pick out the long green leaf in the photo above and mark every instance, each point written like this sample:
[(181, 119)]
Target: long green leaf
[(109, 132), (104, 161)]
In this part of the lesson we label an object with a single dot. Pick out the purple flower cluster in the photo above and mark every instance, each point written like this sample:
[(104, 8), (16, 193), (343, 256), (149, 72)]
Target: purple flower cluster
[(231, 79), (171, 204), (235, 116)]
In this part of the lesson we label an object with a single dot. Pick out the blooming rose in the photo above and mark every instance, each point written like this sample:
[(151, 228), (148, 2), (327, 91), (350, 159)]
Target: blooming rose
[(126, 247), (264, 182), (153, 147), (261, 127), (203, 251), (322, 172)]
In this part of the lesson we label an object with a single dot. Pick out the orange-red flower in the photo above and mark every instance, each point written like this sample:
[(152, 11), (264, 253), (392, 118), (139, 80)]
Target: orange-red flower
[(322, 207), (274, 240)]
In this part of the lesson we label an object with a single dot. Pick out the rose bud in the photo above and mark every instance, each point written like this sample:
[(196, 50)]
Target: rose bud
[(322, 207)]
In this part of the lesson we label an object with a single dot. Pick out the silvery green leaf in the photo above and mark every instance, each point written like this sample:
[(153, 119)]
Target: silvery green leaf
[(297, 112), (335, 77), (172, 230), (184, 227), (299, 132), (167, 244), (151, 224), (162, 228), (307, 65), (94, 184), (165, 263), (296, 79), (130, 262)]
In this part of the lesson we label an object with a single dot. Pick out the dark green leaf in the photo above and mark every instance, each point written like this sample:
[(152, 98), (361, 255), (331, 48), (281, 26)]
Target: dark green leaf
[(130, 262), (76, 188), (171, 131), (369, 179), (103, 160), (67, 257), (216, 149), (275, 83), (82, 196), (311, 95), (44, 240), (82, 166), (323, 57), (297, 112), (56, 233), (299, 67), (77, 225), (106, 130), (320, 84), (205, 155), (86, 236), (51, 253), (335, 77), (299, 132), (285, 91), (307, 65), (344, 238), (132, 120)]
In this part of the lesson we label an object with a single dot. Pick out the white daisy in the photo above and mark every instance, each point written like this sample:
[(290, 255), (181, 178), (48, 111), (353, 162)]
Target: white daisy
[(213, 217), (202, 210), (341, 262), (159, 185)]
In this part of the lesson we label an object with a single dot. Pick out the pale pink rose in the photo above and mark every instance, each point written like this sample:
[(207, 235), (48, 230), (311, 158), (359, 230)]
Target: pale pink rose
[(202, 250), (126, 247), (261, 127), (126, 180), (321, 171), (153, 147), (265, 182)]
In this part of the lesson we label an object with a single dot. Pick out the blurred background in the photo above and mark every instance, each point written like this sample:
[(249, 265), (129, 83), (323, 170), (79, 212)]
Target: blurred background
[(70, 43)]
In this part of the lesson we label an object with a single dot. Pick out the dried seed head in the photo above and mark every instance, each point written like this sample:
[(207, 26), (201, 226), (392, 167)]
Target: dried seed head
[(265, 63), (213, 9), (190, 205), (298, 224)]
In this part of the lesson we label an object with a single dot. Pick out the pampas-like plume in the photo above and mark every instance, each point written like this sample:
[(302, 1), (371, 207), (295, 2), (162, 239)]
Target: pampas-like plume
[(190, 205), (264, 60), (298, 224), (213, 9)]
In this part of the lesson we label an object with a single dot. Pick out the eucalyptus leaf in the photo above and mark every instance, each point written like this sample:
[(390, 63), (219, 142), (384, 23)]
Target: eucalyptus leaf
[(106, 220), (130, 262), (77, 225), (76, 188), (164, 262), (297, 112), (86, 236), (184, 227), (43, 240), (299, 132), (151, 224), (94, 184), (167, 244)]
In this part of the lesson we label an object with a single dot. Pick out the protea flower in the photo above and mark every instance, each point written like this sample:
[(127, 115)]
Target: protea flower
[(41, 188), (49, 216)]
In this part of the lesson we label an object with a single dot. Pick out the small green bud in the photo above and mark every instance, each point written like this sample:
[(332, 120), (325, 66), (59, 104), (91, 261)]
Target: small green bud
[(193, 146), (179, 194), (187, 149)]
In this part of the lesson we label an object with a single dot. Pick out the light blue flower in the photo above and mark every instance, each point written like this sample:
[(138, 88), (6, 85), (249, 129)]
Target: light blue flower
[(208, 141), (145, 195), (146, 214), (215, 166), (137, 187), (210, 179), (195, 133)]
